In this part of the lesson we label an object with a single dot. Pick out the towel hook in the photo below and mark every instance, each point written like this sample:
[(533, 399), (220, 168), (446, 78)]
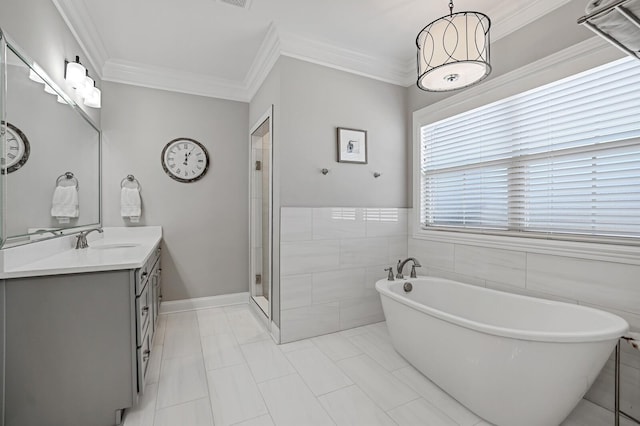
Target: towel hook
[(130, 179)]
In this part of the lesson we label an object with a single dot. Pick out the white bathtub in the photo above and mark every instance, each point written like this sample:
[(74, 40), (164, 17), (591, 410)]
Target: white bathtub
[(513, 360)]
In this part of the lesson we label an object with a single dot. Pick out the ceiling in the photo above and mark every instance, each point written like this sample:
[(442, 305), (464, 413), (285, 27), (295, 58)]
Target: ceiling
[(212, 48)]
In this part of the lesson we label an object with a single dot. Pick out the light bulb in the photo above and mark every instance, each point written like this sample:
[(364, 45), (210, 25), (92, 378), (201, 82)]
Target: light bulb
[(94, 98), (85, 89), (33, 76), (75, 73), (49, 89)]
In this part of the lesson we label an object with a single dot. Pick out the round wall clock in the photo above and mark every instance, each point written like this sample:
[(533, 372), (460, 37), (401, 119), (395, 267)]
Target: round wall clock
[(16, 147), (185, 160)]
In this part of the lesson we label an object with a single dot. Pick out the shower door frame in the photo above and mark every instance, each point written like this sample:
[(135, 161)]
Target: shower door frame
[(268, 115)]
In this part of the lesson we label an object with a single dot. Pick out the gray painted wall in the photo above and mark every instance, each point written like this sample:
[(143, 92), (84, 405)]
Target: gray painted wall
[(315, 101), (206, 242), (37, 27)]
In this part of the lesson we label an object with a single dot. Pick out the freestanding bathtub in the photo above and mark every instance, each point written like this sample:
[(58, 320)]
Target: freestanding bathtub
[(511, 359)]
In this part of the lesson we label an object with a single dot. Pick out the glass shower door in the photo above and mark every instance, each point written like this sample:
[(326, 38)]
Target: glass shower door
[(261, 214)]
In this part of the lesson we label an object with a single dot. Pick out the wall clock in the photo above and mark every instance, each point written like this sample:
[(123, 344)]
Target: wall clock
[(185, 160), (16, 147)]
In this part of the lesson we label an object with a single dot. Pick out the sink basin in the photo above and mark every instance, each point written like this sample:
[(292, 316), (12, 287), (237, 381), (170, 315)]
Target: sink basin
[(113, 246)]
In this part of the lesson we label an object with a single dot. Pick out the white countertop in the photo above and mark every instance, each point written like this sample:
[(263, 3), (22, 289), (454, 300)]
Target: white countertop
[(122, 248)]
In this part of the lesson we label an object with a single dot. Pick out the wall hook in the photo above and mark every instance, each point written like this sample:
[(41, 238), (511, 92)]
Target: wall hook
[(376, 175), (324, 171)]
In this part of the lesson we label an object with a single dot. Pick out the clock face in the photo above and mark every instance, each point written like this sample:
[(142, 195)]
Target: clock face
[(185, 160), (16, 149)]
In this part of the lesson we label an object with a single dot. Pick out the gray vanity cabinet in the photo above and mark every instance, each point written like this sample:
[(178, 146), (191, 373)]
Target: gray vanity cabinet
[(77, 345)]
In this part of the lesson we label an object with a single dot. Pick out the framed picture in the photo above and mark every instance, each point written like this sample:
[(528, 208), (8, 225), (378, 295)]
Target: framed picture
[(352, 146)]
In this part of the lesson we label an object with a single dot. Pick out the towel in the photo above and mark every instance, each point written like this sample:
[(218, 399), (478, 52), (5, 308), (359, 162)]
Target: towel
[(130, 203), (65, 203), (615, 24)]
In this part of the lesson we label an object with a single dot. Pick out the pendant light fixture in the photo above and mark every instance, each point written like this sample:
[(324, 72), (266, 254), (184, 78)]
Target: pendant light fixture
[(453, 51)]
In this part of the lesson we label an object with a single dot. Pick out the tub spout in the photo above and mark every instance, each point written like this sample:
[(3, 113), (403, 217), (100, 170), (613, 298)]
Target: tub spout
[(401, 263)]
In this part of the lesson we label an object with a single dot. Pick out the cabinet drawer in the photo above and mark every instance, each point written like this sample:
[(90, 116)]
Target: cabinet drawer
[(143, 314), (143, 355), (143, 274)]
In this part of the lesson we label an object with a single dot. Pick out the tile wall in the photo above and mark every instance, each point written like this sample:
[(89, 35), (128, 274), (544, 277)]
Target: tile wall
[(330, 259), (610, 286)]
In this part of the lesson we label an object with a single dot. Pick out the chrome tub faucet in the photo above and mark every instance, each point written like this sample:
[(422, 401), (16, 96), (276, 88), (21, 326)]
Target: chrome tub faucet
[(401, 263)]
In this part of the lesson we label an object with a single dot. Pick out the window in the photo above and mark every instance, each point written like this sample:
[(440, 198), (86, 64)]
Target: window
[(560, 159)]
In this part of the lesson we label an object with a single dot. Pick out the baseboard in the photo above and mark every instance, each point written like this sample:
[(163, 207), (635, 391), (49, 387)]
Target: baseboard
[(174, 306)]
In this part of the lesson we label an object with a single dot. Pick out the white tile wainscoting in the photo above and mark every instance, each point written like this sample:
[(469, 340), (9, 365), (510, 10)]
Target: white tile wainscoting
[(219, 366), (330, 259), (612, 286)]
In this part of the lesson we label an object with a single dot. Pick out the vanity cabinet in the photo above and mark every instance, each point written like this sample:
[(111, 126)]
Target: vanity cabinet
[(78, 345)]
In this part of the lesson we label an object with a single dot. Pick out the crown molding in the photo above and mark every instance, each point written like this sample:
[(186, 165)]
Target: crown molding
[(340, 58), (136, 74), (510, 17), (77, 18), (275, 44), (266, 57)]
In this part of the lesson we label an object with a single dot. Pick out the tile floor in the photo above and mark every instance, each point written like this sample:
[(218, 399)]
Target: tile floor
[(220, 367)]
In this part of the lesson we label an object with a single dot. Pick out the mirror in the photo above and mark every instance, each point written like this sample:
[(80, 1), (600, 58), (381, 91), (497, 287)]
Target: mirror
[(50, 164)]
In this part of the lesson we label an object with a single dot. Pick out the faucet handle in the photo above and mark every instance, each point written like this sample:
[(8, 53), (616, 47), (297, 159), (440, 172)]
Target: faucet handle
[(413, 270), (390, 275)]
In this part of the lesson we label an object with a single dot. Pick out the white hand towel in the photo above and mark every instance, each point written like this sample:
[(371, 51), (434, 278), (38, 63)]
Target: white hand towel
[(65, 202), (130, 203)]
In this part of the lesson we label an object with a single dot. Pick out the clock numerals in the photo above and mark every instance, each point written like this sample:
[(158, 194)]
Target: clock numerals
[(185, 160), (16, 147)]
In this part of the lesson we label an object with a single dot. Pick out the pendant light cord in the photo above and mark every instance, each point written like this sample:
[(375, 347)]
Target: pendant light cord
[(450, 7)]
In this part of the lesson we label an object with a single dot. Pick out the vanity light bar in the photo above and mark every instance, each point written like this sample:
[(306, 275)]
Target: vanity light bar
[(78, 77)]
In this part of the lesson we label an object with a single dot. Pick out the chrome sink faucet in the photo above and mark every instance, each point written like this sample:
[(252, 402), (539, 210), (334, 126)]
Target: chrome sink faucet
[(81, 238), (401, 263)]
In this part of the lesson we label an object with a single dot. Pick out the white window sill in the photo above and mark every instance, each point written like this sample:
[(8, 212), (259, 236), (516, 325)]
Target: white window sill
[(608, 252)]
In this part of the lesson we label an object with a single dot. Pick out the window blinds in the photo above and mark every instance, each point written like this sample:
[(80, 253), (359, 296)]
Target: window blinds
[(562, 158)]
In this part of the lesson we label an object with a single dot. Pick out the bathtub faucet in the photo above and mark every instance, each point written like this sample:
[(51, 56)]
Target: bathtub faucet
[(401, 263)]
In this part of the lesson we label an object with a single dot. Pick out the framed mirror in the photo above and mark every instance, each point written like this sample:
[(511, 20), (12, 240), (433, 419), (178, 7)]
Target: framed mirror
[(50, 163)]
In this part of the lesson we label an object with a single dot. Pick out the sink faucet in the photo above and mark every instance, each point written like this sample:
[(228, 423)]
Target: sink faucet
[(401, 263), (81, 238)]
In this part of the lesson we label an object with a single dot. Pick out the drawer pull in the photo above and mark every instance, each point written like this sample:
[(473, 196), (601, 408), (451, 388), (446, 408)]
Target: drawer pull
[(146, 354), (144, 275), (145, 310)]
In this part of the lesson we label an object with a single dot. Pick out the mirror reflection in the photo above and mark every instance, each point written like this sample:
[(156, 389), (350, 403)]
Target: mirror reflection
[(51, 157)]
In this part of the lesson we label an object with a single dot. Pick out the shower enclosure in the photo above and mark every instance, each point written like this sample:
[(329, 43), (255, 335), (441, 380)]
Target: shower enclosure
[(261, 214)]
